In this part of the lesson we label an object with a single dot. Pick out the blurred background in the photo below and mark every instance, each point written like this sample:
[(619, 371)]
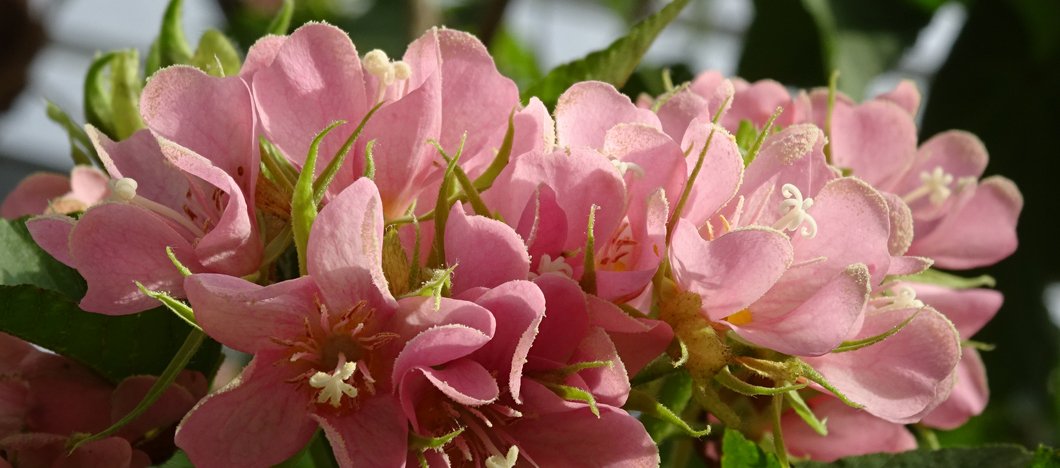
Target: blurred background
[(991, 67)]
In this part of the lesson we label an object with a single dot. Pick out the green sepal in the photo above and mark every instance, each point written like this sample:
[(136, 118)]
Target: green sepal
[(675, 392), (281, 23), (442, 206), (467, 187), (500, 161), (369, 160), (216, 55), (731, 382), (813, 375), (420, 443), (303, 202), (97, 95), (858, 344), (979, 345), (169, 375), (752, 152), (175, 305), (81, 150), (658, 368), (277, 167), (173, 47), (695, 172), (745, 135), (779, 448), (941, 278), (646, 404), (819, 426), (125, 88), (184, 271), (612, 65), (833, 84), (320, 186), (440, 283), (571, 369), (588, 281), (277, 246), (570, 393)]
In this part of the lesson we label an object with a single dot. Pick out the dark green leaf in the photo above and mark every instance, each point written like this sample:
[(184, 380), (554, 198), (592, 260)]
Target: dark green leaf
[(114, 346), (23, 262), (81, 149), (97, 99), (612, 65), (995, 456), (738, 452)]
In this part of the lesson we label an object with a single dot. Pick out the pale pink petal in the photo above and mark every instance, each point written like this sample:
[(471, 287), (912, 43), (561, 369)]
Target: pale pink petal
[(968, 398), (908, 265), (115, 244), (905, 95), (247, 317), (374, 435), (968, 309), (566, 318), (534, 129), (980, 232), (730, 272), (957, 153), (622, 274), (88, 184), (680, 110), (818, 324), (32, 195), (52, 233), (140, 158), (314, 79), (719, 177), (901, 224), (756, 102), (660, 164), (543, 224), (715, 88), (519, 307), (876, 140), (912, 370), (850, 432), (344, 254), (587, 110), (180, 104), (486, 252), (261, 55), (258, 420)]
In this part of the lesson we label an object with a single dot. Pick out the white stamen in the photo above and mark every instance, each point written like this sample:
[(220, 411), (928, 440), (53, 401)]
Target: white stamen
[(905, 298), (376, 63), (624, 167), (124, 189), (507, 461), (402, 71), (333, 386), (934, 184), (548, 265), (793, 210)]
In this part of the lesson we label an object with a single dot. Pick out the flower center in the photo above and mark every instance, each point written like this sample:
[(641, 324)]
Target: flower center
[(934, 184), (124, 190), (559, 264), (904, 298), (793, 212), (333, 386), (389, 74)]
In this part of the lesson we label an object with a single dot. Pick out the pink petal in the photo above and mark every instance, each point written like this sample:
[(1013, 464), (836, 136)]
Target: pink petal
[(713, 87), (876, 140), (960, 154), (115, 244), (730, 272), (980, 232), (12, 352), (587, 110), (609, 385), (534, 129), (165, 412), (543, 224), (968, 398), (52, 233), (850, 432), (247, 317), (756, 102), (140, 158), (660, 158), (815, 326), (258, 420), (721, 173), (38, 449), (638, 340), (901, 224), (173, 104), (968, 309), (437, 336), (261, 55), (905, 95), (15, 403), (32, 195), (464, 381), (519, 307), (566, 319), (67, 397), (374, 435), (912, 370), (344, 254), (579, 438), (314, 79), (88, 184), (486, 252), (680, 110)]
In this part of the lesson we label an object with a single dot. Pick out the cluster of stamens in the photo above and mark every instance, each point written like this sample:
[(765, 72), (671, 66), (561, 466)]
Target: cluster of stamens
[(794, 212), (377, 64), (124, 190)]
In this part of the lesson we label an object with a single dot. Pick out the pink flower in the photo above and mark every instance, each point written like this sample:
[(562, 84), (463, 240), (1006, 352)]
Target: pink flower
[(47, 193), (851, 432), (446, 85)]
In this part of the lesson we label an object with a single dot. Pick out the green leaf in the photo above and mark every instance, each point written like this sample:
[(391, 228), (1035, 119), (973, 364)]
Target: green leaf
[(514, 59), (216, 55), (675, 393), (993, 456), (949, 280), (281, 23), (303, 202), (81, 150), (23, 262), (738, 452), (114, 346), (612, 65)]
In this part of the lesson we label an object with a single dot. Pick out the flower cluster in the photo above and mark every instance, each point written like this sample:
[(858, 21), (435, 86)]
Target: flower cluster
[(434, 273)]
